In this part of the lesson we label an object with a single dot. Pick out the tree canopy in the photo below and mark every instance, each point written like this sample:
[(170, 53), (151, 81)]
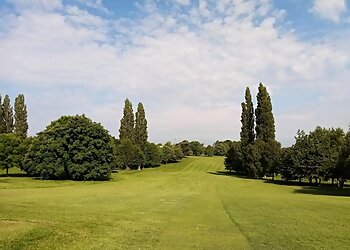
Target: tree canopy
[(72, 147)]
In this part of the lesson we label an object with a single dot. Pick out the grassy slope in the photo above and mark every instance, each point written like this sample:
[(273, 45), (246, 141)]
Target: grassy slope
[(179, 206)]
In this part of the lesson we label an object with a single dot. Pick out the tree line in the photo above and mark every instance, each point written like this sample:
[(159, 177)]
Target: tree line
[(322, 154), (13, 130)]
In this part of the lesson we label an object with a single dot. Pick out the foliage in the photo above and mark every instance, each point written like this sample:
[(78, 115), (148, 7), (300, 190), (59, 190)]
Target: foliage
[(2, 118), (185, 147), (126, 130), (72, 147), (11, 151), (234, 159), (342, 170), (197, 148), (247, 120), (21, 116), (265, 123), (209, 151), (221, 147), (153, 155), (168, 153), (140, 131), (8, 115)]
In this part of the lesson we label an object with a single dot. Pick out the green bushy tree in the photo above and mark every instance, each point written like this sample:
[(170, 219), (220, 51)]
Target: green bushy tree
[(72, 147)]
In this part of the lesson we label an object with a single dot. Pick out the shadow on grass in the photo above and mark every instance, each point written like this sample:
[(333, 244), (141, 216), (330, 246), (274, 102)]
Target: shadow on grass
[(14, 175), (228, 173), (323, 189)]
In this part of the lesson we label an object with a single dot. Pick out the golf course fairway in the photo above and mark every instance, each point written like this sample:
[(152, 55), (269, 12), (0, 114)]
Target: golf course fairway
[(192, 204)]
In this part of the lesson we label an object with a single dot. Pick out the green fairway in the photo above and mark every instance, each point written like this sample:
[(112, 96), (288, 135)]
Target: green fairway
[(178, 206)]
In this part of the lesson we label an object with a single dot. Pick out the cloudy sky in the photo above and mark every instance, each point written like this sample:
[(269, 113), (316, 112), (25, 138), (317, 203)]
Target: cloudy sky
[(187, 61)]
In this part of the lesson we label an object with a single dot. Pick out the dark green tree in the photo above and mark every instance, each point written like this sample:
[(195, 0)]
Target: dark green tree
[(10, 151), (153, 155), (125, 154), (221, 148), (127, 123), (265, 122), (140, 132), (247, 120), (168, 153), (342, 170), (209, 151), (234, 159), (8, 115), (2, 118), (21, 123), (197, 148), (72, 147), (185, 147)]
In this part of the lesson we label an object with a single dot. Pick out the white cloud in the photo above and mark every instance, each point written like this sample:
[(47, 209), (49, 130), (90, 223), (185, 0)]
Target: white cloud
[(189, 69), (44, 5), (95, 4), (329, 9), (183, 2)]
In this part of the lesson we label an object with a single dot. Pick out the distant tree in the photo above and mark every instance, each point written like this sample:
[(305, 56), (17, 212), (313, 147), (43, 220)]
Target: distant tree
[(342, 170), (127, 123), (234, 159), (178, 154), (2, 118), (10, 151), (8, 114), (140, 132), (220, 148), (168, 152), (247, 120), (209, 151), (197, 148), (21, 123), (153, 155), (72, 147), (185, 147), (125, 154)]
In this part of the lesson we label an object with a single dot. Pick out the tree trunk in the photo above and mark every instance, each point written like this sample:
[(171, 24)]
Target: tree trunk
[(7, 171), (310, 180), (332, 181), (139, 167), (340, 183), (273, 176)]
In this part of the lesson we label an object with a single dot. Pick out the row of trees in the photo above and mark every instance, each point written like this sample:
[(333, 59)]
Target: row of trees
[(321, 154), (13, 131), (257, 154), (13, 122)]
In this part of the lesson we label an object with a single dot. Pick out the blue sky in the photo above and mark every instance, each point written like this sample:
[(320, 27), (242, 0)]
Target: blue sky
[(187, 61)]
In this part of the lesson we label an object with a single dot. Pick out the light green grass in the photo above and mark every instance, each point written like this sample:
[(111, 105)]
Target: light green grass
[(178, 206)]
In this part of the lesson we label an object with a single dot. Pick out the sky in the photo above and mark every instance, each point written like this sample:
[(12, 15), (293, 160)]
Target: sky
[(188, 62)]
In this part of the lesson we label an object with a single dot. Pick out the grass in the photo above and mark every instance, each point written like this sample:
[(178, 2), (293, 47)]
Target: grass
[(187, 205)]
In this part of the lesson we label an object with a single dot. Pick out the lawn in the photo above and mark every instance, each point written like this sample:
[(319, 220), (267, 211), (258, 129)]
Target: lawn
[(192, 204)]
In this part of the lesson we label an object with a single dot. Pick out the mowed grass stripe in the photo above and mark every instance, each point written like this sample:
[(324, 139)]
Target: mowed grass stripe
[(186, 205)]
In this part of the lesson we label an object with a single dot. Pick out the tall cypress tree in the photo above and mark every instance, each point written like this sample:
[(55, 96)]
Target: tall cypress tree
[(8, 115), (2, 118), (265, 122), (247, 119), (21, 123), (126, 130), (140, 133)]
